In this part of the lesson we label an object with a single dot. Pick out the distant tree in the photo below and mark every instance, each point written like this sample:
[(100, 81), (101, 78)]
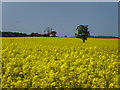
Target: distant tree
[(34, 34), (45, 35), (53, 33), (13, 34), (48, 30), (0, 34), (82, 32), (65, 36)]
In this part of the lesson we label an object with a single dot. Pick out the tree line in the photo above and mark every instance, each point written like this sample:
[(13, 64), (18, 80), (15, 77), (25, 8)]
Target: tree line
[(17, 34), (48, 30), (82, 32)]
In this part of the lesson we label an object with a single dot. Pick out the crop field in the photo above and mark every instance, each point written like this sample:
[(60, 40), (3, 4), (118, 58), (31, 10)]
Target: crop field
[(54, 62)]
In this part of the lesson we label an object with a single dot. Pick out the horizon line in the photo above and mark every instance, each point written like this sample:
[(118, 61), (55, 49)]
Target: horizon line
[(63, 35)]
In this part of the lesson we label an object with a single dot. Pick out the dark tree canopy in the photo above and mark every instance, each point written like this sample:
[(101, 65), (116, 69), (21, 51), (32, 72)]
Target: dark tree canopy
[(53, 33), (65, 36), (82, 32)]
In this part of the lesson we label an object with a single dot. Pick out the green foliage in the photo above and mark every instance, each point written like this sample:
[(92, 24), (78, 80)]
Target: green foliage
[(82, 32), (78, 36), (53, 33)]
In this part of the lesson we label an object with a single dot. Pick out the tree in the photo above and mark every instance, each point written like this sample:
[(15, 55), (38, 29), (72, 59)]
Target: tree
[(65, 36), (53, 33), (48, 30), (82, 32), (34, 34)]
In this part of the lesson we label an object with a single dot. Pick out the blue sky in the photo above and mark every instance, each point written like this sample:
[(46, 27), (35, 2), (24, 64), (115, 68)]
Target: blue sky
[(63, 17), (59, 0), (0, 16)]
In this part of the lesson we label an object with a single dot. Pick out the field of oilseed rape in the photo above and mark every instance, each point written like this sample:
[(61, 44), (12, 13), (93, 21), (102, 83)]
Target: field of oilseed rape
[(54, 62)]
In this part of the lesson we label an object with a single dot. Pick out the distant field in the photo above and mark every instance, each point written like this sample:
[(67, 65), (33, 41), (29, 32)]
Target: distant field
[(54, 62)]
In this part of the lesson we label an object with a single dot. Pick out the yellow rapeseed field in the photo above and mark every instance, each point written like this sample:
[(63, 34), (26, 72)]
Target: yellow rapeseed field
[(54, 62)]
